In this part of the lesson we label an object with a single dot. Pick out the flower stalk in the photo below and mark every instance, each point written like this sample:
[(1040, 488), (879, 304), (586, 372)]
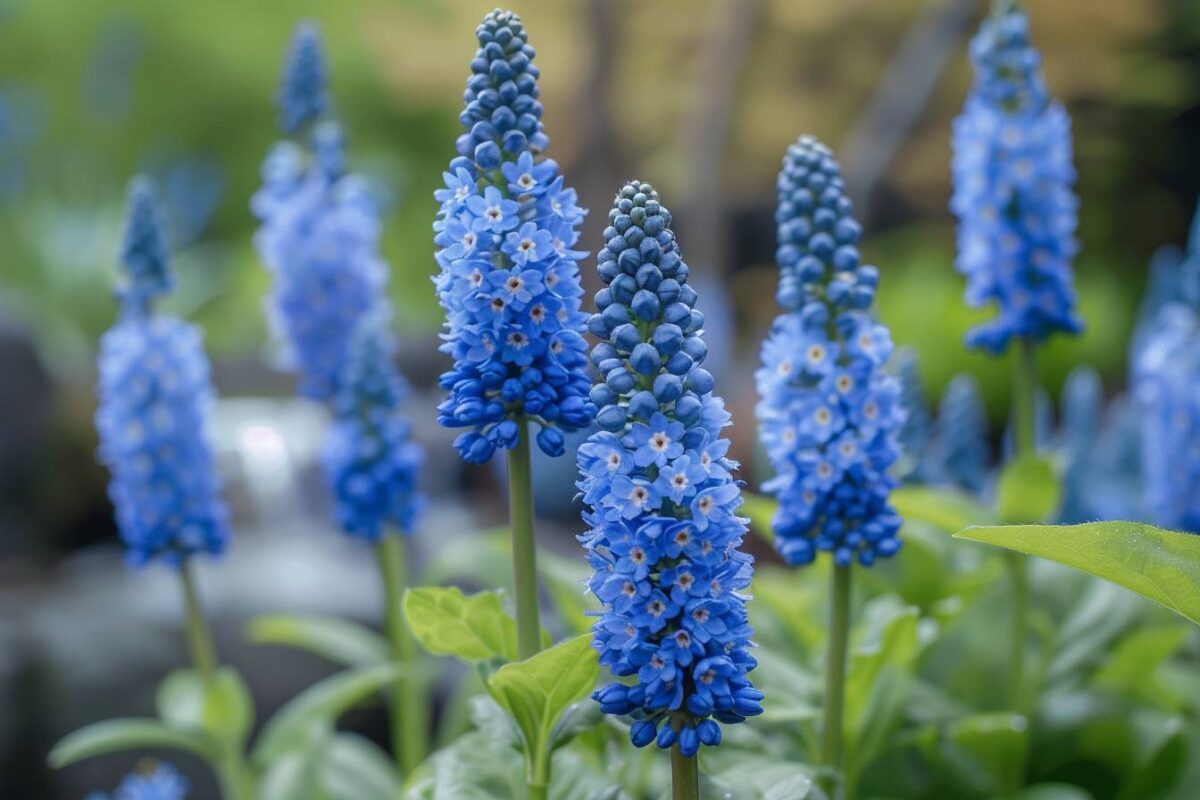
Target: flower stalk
[(409, 709), (524, 544), (835, 680)]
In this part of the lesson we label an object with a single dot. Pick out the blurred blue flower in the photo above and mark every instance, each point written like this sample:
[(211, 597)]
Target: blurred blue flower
[(1012, 191), (162, 783), (155, 396), (661, 499), (915, 431), (959, 453), (509, 282), (301, 97), (370, 459), (319, 237), (828, 413)]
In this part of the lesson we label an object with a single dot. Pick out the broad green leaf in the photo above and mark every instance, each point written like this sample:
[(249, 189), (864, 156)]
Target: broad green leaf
[(758, 778), (1159, 564), (1131, 670), (580, 716), (115, 735), (221, 706), (354, 768), (995, 742), (1028, 490), (760, 510), (896, 648), (1099, 617), (448, 623), (320, 704), (942, 507), (340, 641), (536, 691), (293, 774)]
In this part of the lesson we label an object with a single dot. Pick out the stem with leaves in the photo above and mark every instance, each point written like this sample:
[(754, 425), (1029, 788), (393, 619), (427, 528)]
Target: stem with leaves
[(1024, 444), (524, 545), (408, 712), (233, 773), (835, 681)]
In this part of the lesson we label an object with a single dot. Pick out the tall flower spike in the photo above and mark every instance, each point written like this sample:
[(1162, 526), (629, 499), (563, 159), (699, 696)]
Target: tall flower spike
[(301, 97), (1081, 410), (370, 459), (509, 281), (960, 454), (145, 254), (319, 238), (155, 395), (661, 498), (828, 413), (914, 433), (1166, 375), (1012, 191)]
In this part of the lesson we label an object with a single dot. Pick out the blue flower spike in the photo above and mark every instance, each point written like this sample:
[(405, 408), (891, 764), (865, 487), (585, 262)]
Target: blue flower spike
[(828, 413), (509, 280), (1012, 195), (960, 453), (370, 459), (661, 498), (319, 233), (301, 97), (155, 399)]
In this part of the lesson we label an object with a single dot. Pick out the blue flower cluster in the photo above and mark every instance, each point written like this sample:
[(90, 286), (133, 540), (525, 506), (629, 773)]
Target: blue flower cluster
[(914, 434), (163, 783), (509, 281), (959, 453), (661, 496), (155, 395), (320, 231), (1012, 191), (1166, 378), (828, 413), (370, 460)]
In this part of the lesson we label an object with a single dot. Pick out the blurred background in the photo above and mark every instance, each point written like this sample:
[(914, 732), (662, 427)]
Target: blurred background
[(699, 96)]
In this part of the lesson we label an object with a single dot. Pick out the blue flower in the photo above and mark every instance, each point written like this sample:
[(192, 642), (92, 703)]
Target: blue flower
[(916, 430), (370, 459), (828, 413), (155, 397), (1012, 191), (661, 500), (959, 454), (301, 97), (1166, 375), (319, 234), (162, 783), (145, 254), (509, 281)]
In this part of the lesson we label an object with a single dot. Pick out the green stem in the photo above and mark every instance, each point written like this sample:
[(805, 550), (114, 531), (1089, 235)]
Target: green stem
[(233, 773), (1016, 563), (1024, 398), (524, 545), (685, 776), (235, 778), (199, 636), (835, 679), (408, 713)]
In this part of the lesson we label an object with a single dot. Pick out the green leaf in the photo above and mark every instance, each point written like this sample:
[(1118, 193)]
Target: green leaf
[(896, 648), (115, 735), (536, 691), (758, 778), (293, 773), (448, 623), (760, 510), (354, 768), (340, 641), (221, 706), (1159, 564), (995, 742), (1052, 791), (1131, 669), (320, 704), (944, 508), (1028, 490)]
